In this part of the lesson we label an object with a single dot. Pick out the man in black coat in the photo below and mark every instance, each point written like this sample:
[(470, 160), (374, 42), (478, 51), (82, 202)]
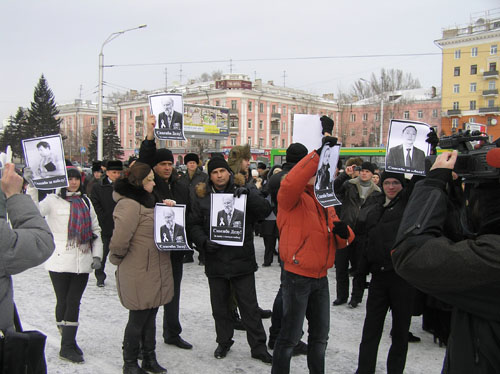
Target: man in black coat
[(102, 199), (169, 118), (230, 266), (167, 186), (229, 216), (171, 232), (406, 155)]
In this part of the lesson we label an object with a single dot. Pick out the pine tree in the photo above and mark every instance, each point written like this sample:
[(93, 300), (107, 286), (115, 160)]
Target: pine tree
[(111, 143), (92, 151), (14, 133), (42, 114)]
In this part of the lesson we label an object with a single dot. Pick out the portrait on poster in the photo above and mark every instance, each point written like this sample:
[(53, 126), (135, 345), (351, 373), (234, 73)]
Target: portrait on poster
[(227, 219), (323, 185), (168, 110), (170, 232), (406, 147), (45, 157)]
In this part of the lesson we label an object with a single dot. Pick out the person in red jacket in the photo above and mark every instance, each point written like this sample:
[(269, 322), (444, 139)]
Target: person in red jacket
[(309, 237)]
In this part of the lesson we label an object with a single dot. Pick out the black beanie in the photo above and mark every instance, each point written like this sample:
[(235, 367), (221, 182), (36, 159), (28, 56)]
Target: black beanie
[(368, 166), (163, 154), (262, 166), (217, 162), (96, 166), (295, 152), (387, 174), (191, 157)]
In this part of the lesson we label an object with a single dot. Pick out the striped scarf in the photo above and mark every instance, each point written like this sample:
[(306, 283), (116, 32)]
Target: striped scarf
[(80, 224)]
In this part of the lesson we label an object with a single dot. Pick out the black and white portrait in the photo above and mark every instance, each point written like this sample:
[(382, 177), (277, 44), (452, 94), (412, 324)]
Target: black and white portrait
[(227, 219), (406, 147), (170, 233), (168, 110), (45, 157), (323, 185)]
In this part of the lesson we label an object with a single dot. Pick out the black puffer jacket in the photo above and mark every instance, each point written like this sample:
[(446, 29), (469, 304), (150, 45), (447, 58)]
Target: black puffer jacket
[(102, 200), (465, 274), (227, 261)]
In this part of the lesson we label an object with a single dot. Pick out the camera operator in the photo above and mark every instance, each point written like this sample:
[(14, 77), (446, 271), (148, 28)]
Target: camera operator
[(464, 273)]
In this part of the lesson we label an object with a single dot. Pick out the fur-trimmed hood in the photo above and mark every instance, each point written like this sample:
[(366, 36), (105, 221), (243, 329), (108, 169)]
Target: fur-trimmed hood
[(236, 155), (202, 189), (123, 188)]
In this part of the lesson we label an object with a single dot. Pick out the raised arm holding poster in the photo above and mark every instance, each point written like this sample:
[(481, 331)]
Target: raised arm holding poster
[(168, 109), (170, 233), (227, 219), (45, 157), (406, 147)]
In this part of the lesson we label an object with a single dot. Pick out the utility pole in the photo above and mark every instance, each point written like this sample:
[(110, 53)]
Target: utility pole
[(284, 77), (231, 65), (180, 75), (166, 79)]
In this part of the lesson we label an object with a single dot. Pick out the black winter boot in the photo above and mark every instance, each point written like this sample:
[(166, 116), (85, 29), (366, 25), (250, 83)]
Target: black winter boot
[(130, 352), (68, 344), (150, 364)]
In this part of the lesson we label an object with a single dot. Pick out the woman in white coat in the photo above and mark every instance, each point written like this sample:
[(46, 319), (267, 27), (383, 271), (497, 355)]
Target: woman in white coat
[(77, 236)]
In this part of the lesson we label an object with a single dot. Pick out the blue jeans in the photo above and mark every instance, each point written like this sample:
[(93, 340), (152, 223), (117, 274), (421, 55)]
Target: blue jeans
[(303, 297)]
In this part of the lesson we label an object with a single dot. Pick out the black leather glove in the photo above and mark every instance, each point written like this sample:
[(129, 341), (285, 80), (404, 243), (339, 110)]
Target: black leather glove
[(240, 191), (326, 124), (341, 229), (433, 140), (328, 140), (210, 246)]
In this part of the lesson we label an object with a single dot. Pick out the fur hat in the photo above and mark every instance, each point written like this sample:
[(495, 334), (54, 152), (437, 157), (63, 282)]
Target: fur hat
[(387, 174), (295, 152), (114, 165), (238, 154), (368, 166), (163, 154), (96, 166), (191, 157)]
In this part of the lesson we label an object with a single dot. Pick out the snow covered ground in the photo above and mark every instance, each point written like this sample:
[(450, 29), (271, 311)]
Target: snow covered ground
[(103, 319)]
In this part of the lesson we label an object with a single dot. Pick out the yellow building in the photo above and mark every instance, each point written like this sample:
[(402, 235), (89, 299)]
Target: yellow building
[(470, 78)]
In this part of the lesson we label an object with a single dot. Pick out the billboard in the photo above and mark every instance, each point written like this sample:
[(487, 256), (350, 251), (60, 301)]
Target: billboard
[(206, 120)]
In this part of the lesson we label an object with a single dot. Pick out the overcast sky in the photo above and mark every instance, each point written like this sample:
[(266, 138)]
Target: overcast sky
[(62, 40)]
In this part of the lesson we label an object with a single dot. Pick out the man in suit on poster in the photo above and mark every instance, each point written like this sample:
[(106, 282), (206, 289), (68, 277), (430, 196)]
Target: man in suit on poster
[(171, 232), (229, 216), (169, 118), (406, 155)]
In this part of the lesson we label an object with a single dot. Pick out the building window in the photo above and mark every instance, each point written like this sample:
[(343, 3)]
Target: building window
[(472, 105), (472, 120), (353, 132), (365, 131), (250, 104), (217, 103), (473, 87), (456, 106), (261, 124), (434, 113), (491, 85), (249, 142), (249, 123), (141, 112), (283, 143), (130, 143), (170, 143), (261, 142), (493, 49), (377, 116), (491, 103), (92, 120), (233, 123), (365, 116), (233, 140), (283, 110), (473, 69), (130, 114), (493, 66), (283, 127), (454, 123), (233, 104), (457, 54), (407, 114), (273, 142), (473, 52), (456, 88), (489, 121), (261, 107), (420, 114), (456, 71), (273, 110), (353, 117)]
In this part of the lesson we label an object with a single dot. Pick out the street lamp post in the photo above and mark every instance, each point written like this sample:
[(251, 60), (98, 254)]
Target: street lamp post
[(101, 68)]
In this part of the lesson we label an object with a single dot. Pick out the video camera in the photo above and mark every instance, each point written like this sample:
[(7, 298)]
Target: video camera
[(471, 163)]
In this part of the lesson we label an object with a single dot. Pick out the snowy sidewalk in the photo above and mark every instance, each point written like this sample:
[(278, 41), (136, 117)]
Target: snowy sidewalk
[(103, 319)]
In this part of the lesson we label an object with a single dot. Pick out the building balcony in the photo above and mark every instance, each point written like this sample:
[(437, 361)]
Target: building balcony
[(490, 109), (454, 112), (275, 131), (275, 116), (490, 92), (233, 113), (490, 74), (139, 119)]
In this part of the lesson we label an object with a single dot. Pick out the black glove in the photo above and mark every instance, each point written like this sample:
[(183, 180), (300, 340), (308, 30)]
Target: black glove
[(328, 140), (433, 140), (326, 124), (240, 191), (210, 246), (341, 229)]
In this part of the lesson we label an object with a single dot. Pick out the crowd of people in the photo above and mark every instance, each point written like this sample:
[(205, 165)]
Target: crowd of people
[(111, 214)]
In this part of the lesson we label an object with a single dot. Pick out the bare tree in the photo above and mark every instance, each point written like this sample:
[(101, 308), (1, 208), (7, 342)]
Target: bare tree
[(387, 81)]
